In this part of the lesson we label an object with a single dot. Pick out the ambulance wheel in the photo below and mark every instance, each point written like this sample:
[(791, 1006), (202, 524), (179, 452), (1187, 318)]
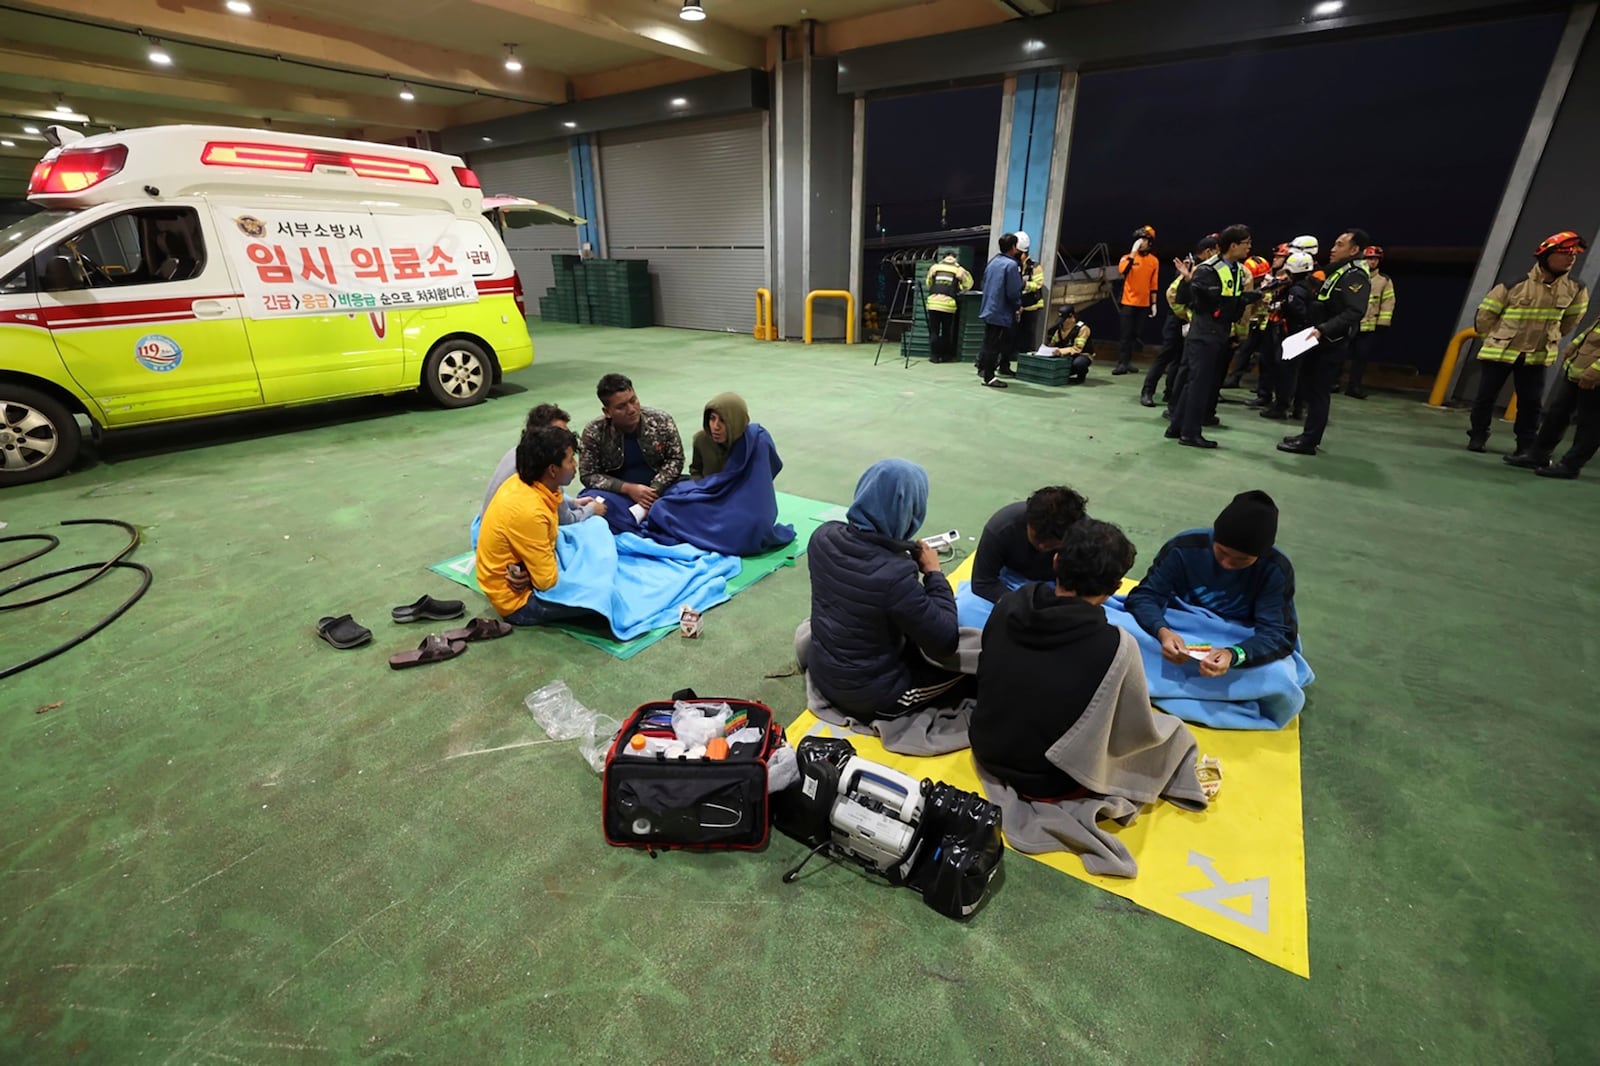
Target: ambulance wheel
[(39, 437), (458, 373)]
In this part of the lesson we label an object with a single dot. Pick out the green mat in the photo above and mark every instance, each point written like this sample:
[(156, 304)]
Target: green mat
[(805, 515)]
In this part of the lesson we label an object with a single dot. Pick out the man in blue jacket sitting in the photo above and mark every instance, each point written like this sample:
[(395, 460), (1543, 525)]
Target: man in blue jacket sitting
[(1232, 570)]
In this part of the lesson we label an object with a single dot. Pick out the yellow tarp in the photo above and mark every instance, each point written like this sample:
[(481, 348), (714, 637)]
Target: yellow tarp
[(1236, 872)]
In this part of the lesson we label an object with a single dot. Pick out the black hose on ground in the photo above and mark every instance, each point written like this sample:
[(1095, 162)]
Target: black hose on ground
[(99, 570)]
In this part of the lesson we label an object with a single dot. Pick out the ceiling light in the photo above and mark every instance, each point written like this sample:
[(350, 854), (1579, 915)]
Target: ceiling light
[(678, 101), (239, 7), (31, 129), (158, 55), (8, 144), (570, 125), (62, 107), (1326, 8), (406, 93), (513, 64), (488, 140), (692, 11)]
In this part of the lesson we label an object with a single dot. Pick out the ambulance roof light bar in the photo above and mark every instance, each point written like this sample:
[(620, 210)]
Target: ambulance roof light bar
[(287, 158)]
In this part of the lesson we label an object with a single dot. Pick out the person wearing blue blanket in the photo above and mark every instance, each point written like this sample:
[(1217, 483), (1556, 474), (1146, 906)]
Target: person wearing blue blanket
[(731, 506), (880, 604), (1232, 570), (1019, 542)]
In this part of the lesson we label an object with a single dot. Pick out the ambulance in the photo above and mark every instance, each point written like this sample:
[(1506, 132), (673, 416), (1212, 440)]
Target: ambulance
[(185, 271)]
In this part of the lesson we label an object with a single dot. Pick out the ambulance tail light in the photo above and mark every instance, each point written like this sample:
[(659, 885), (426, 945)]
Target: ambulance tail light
[(466, 177), (77, 169), (517, 294), (304, 160)]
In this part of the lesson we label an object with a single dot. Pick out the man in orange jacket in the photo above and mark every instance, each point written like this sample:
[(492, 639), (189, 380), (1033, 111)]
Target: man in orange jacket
[(1141, 280)]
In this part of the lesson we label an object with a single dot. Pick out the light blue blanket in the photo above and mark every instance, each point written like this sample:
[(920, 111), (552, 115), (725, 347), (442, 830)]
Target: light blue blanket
[(1268, 696), (636, 584)]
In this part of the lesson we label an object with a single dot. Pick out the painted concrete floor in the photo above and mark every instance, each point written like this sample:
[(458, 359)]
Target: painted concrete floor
[(231, 843)]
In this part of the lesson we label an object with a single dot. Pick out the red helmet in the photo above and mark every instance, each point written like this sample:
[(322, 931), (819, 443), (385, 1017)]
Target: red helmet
[(1258, 267), (1282, 250), (1565, 241), (1372, 251)]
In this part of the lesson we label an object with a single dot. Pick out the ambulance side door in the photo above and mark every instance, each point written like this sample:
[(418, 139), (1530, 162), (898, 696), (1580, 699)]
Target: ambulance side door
[(145, 315)]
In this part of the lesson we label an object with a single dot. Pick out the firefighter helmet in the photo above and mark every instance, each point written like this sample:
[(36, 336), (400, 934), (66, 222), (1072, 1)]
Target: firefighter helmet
[(1565, 241), (1307, 244), (1300, 263), (1372, 251), (1258, 267)]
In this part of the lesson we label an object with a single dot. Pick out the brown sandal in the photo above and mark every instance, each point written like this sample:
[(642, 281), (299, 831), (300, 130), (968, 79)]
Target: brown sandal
[(480, 629), (433, 649)]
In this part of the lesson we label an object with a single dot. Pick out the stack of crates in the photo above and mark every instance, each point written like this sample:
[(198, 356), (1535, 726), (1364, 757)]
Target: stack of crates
[(914, 341), (619, 292), (603, 292), (1043, 370), (561, 302), (969, 327)]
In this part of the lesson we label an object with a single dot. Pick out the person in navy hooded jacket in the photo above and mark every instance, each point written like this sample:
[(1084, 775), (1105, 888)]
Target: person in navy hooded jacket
[(880, 606)]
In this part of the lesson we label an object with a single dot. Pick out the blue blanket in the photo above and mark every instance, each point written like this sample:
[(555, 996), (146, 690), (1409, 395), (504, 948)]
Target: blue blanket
[(1268, 696), (734, 511), (636, 584), (1255, 697)]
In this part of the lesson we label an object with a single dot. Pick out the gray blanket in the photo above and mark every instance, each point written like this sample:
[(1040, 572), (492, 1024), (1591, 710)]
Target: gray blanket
[(934, 731), (1122, 750)]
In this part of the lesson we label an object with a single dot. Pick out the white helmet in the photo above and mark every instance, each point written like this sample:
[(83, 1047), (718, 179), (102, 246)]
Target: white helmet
[(1307, 244), (1299, 263), (1023, 244)]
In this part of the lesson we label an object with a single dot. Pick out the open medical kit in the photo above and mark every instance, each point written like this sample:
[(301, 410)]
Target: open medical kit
[(691, 773)]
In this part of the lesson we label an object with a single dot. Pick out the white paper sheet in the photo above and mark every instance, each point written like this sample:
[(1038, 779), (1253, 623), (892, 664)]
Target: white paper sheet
[(1298, 343), (1046, 351)]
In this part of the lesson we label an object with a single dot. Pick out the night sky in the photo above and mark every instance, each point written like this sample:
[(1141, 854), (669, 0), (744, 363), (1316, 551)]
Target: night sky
[(1272, 139)]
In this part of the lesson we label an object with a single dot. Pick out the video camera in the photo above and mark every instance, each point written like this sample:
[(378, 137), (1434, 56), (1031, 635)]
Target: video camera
[(940, 841)]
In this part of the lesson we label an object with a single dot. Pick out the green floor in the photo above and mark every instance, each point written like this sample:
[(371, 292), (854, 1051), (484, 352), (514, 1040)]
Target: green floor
[(231, 843)]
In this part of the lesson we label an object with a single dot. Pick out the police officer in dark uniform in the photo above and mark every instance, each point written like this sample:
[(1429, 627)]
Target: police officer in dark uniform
[(1336, 313), (1218, 300)]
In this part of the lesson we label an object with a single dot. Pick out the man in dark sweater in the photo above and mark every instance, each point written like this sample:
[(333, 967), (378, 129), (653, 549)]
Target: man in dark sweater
[(1020, 541), (1046, 651), (1232, 570)]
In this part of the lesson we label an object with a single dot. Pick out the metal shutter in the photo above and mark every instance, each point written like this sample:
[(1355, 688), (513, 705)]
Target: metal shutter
[(539, 172), (691, 198)]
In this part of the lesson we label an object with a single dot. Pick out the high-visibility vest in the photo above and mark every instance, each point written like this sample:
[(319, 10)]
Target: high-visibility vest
[(1333, 279), (944, 283)]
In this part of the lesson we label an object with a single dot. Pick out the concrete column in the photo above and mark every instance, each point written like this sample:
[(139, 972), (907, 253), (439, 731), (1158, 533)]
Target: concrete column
[(815, 180)]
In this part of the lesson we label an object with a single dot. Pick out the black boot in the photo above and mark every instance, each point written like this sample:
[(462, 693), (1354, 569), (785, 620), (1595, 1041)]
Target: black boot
[(1275, 412), (1297, 446), (1147, 399), (1197, 442), (1526, 458), (1477, 444), (1558, 469), (1231, 381)]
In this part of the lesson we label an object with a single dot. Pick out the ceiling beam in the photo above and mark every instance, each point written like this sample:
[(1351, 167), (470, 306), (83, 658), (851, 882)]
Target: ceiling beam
[(85, 78), (643, 25), (273, 33)]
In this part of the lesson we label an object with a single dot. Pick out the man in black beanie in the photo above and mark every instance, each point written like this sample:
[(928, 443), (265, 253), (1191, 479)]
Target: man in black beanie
[(1232, 570)]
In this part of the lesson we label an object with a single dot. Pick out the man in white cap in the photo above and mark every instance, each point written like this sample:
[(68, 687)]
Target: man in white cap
[(1026, 341)]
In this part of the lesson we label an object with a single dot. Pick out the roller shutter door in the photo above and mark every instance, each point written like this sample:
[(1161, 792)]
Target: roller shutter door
[(538, 172), (691, 198)]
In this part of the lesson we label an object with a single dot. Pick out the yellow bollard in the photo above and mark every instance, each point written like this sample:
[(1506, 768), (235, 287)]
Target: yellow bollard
[(1452, 353), (850, 311), (1511, 409), (765, 330)]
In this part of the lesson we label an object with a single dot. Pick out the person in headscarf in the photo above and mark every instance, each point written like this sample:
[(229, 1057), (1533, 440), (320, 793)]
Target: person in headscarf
[(724, 421), (880, 606)]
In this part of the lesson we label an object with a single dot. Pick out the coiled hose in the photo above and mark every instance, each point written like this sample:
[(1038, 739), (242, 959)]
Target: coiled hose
[(117, 562)]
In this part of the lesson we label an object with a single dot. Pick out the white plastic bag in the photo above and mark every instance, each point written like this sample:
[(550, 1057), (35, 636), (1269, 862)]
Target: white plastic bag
[(697, 723), (558, 712), (597, 742)]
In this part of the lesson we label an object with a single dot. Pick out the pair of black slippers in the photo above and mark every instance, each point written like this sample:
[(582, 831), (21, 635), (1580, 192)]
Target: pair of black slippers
[(344, 632)]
